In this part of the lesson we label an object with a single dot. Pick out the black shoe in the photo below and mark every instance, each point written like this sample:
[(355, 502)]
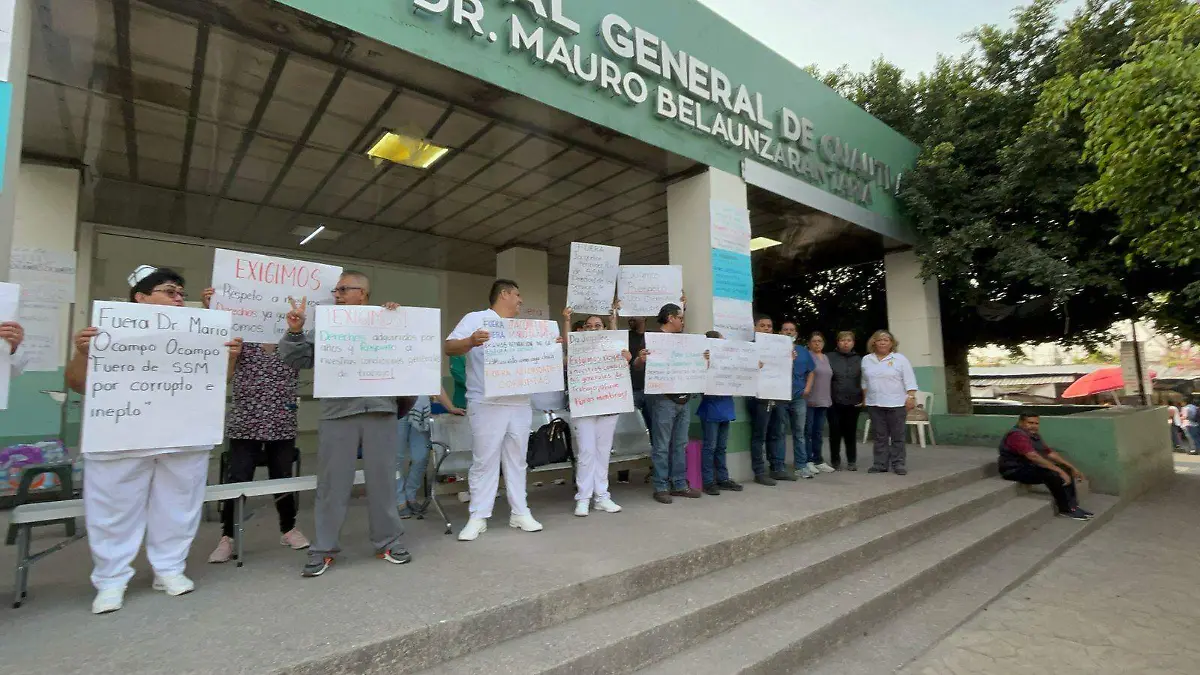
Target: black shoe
[(783, 475), (900, 471), (1085, 512), (764, 479), (852, 467), (730, 485), (712, 489), (1074, 514), (663, 497), (316, 567), (876, 469)]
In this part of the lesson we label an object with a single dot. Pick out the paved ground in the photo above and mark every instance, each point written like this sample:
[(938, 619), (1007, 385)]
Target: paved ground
[(264, 616), (1125, 600)]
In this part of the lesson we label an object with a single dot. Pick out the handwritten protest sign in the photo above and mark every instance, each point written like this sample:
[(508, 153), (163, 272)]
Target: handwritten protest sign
[(535, 312), (733, 319), (732, 276), (644, 289), (598, 380), (521, 356), (255, 289), (155, 377), (43, 344), (45, 276), (10, 298), (360, 350), (730, 227), (676, 364), (733, 368), (592, 280), (775, 378)]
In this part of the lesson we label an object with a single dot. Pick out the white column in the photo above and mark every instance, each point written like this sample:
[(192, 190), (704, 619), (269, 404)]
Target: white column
[(689, 222), (16, 21), (530, 269), (915, 318)]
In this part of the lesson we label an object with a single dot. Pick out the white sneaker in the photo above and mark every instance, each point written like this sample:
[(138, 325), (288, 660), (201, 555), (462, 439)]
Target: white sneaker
[(223, 553), (607, 505), (472, 530), (174, 585), (812, 468), (525, 523), (109, 600), (825, 468), (581, 508)]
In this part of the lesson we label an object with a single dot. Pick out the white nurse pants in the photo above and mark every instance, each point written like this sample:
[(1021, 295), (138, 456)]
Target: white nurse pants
[(499, 436), (127, 498), (593, 448)]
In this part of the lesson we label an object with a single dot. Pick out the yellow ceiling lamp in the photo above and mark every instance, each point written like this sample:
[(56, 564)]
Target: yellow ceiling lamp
[(400, 148)]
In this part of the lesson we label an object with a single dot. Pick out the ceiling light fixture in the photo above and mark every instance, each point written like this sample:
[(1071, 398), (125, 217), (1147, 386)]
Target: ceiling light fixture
[(399, 148), (759, 243), (312, 235)]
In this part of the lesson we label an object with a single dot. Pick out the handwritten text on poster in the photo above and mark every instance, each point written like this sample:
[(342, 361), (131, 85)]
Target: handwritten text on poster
[(362, 350)]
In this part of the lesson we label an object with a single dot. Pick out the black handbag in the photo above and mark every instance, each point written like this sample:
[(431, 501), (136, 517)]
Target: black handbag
[(551, 444)]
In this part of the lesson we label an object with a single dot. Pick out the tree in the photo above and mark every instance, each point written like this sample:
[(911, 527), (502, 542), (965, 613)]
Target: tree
[(830, 301)]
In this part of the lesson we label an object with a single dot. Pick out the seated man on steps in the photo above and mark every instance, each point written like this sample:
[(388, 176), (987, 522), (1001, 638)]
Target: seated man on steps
[(1026, 459)]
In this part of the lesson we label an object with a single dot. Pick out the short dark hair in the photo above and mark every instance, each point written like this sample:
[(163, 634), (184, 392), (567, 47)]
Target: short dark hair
[(761, 317), (668, 310), (791, 321), (1026, 415), (498, 287), (714, 334), (578, 326), (158, 276)]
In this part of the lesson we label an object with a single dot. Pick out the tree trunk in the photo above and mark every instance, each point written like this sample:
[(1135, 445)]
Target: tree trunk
[(958, 378)]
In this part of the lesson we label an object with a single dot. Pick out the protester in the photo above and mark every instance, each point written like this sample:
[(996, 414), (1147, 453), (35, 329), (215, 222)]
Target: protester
[(412, 458), (715, 413), (347, 426), (594, 437), (1025, 458), (637, 376), (819, 400), (155, 494), (847, 395), (890, 391), (796, 410), (669, 436), (13, 333), (766, 427), (499, 425)]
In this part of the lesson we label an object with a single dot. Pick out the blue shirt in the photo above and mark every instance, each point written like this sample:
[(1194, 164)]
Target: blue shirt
[(716, 409), (801, 367)]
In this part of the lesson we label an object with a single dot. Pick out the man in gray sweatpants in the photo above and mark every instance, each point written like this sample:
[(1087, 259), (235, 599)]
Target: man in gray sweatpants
[(346, 425)]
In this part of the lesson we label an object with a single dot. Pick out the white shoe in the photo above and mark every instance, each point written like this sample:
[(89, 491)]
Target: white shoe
[(174, 585), (109, 600), (607, 505), (812, 468), (223, 553), (472, 530), (825, 468), (525, 523), (581, 508)]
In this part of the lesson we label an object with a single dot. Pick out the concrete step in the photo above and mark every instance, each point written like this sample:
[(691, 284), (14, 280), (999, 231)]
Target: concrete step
[(915, 630), (624, 637), (788, 638)]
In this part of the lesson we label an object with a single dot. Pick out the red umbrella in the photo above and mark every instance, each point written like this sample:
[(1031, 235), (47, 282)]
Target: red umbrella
[(1098, 381)]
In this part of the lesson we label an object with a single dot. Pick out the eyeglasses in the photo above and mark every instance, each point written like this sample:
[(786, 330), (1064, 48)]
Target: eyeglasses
[(171, 292), (342, 290)]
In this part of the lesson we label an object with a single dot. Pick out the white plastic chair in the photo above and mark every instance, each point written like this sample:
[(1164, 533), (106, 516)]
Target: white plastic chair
[(919, 427)]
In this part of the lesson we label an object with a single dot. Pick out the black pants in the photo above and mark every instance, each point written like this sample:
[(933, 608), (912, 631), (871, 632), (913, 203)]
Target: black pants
[(843, 428), (280, 455), (1032, 474)]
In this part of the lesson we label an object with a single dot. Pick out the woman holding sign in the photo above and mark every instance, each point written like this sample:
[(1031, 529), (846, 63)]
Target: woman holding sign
[(135, 494), (594, 437)]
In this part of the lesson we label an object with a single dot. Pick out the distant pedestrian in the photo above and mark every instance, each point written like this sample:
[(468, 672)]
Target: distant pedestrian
[(890, 390)]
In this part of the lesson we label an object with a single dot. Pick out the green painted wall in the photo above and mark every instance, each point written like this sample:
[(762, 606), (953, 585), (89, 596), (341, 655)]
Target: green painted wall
[(34, 416), (933, 380), (685, 25)]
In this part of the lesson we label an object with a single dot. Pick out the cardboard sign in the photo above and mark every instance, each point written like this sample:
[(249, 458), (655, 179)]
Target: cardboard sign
[(45, 276), (155, 377), (598, 380), (592, 280), (255, 289), (775, 377), (363, 350), (676, 364), (733, 368), (644, 289), (521, 357)]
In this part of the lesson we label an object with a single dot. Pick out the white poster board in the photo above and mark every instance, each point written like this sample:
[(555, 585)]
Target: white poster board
[(730, 227), (535, 312), (155, 377), (362, 350), (43, 346), (256, 289), (733, 368), (676, 364), (644, 289), (592, 280), (775, 377), (10, 300), (733, 319), (521, 356), (45, 276), (598, 380)]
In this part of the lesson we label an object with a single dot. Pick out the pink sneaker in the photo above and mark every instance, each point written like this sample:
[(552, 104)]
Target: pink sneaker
[(295, 540), (223, 552)]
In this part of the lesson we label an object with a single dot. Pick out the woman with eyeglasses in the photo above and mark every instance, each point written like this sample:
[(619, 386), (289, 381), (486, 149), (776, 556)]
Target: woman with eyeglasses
[(153, 494)]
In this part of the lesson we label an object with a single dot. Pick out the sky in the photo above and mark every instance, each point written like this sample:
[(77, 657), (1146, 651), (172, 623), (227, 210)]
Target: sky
[(829, 33)]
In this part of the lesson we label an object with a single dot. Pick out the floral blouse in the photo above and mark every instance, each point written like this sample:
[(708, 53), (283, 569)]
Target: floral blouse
[(264, 397)]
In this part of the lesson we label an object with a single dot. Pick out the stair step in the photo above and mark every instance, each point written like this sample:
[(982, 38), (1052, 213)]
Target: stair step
[(625, 636), (916, 629), (785, 639)]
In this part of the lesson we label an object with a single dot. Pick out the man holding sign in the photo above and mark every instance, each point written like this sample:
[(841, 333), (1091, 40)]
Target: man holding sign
[(346, 425)]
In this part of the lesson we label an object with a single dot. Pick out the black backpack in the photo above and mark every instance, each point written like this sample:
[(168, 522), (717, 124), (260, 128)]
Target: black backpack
[(550, 444)]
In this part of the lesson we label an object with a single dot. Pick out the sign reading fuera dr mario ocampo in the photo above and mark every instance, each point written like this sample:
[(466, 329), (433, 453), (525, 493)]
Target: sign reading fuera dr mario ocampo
[(685, 90)]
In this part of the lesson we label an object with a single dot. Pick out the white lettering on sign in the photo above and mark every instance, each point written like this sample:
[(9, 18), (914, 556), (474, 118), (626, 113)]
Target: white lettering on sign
[(372, 351)]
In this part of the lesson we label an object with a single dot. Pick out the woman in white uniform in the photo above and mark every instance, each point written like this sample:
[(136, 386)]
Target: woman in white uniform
[(152, 494), (593, 438)]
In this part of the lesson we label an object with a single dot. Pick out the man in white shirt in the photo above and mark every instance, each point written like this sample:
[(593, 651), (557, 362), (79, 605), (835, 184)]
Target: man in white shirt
[(499, 425)]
